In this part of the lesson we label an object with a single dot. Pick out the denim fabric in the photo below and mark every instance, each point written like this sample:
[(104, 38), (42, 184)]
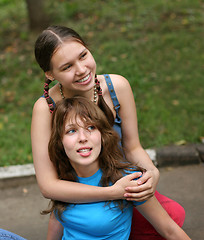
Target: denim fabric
[(6, 235)]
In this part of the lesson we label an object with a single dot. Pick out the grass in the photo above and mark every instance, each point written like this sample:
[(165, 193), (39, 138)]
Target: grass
[(157, 45)]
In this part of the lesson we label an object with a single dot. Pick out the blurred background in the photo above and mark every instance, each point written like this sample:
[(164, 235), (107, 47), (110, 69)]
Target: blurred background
[(157, 45)]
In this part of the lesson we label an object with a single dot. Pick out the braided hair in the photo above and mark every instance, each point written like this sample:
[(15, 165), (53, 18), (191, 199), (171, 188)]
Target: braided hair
[(46, 95), (45, 46), (102, 104)]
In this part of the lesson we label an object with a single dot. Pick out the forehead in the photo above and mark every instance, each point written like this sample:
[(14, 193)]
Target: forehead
[(76, 119), (67, 51)]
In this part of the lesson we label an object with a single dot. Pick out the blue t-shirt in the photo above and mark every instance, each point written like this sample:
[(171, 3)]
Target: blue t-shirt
[(97, 220)]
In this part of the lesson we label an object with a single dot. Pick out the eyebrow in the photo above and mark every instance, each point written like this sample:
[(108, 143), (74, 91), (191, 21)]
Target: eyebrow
[(68, 126), (67, 63)]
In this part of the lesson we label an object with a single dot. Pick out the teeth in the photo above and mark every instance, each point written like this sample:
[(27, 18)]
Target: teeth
[(84, 150), (84, 79)]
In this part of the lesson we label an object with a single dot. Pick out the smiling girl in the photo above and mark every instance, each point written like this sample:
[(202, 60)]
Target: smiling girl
[(63, 56)]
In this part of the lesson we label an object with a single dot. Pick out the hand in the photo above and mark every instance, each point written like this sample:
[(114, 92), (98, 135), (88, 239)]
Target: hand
[(119, 187), (145, 187)]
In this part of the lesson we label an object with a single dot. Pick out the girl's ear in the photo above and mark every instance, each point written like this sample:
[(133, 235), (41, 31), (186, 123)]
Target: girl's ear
[(49, 75)]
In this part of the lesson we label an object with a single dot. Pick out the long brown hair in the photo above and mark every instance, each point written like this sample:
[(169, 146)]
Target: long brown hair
[(111, 159), (46, 45)]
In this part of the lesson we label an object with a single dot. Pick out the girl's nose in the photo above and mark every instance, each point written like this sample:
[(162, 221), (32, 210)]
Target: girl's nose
[(80, 68), (83, 135)]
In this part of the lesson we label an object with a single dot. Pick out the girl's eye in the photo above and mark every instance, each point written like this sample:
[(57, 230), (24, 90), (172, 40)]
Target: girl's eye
[(91, 128), (83, 55), (67, 67), (71, 131)]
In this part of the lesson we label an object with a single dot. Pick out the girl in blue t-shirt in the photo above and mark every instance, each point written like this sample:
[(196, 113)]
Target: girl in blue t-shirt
[(84, 148), (66, 59)]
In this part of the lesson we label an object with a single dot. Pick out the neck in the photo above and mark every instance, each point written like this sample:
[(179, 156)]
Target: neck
[(91, 94), (86, 171)]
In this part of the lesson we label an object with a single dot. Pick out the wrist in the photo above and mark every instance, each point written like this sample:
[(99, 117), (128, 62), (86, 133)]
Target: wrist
[(114, 193)]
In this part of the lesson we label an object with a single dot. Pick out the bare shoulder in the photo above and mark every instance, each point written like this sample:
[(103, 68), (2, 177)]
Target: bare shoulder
[(121, 85), (119, 82), (40, 124), (40, 105), (40, 109)]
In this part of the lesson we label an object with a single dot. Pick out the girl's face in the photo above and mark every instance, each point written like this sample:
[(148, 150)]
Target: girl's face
[(82, 145), (74, 67)]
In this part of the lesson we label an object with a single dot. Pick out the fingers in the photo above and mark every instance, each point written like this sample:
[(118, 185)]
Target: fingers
[(121, 184), (137, 187), (134, 176), (144, 178), (140, 188), (139, 192), (140, 196)]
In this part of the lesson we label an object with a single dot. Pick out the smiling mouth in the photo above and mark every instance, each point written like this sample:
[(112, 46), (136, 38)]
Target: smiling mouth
[(84, 150), (84, 79)]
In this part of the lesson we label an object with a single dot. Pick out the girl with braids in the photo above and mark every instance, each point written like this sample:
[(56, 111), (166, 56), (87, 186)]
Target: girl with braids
[(84, 148), (63, 56)]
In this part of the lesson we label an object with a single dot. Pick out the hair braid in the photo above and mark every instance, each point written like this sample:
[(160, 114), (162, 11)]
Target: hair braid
[(102, 104), (46, 95)]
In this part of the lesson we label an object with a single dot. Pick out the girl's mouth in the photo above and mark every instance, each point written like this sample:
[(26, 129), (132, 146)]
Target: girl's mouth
[(84, 152), (85, 79)]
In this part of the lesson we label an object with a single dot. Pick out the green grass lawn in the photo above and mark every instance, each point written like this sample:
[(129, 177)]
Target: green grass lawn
[(157, 45)]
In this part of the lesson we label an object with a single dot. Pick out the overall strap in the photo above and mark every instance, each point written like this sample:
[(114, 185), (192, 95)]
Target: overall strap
[(113, 95), (112, 92)]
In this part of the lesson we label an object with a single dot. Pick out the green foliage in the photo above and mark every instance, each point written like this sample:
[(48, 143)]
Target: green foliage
[(156, 45)]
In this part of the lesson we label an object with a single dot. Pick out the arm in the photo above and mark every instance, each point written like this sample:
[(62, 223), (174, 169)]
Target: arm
[(50, 186), (161, 221), (55, 229), (130, 139)]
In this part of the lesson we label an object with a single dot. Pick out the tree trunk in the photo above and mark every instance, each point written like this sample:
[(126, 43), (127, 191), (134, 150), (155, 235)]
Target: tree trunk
[(38, 19)]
